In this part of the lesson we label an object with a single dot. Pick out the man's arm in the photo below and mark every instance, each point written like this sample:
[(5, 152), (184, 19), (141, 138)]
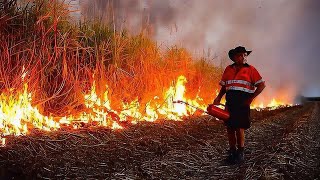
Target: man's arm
[(259, 89), (220, 95)]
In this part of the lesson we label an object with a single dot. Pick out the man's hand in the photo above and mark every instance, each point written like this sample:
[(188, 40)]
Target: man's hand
[(218, 98)]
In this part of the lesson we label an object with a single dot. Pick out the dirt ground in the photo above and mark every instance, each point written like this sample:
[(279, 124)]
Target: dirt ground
[(281, 144)]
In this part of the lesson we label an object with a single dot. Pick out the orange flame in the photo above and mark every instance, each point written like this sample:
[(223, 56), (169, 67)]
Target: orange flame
[(273, 104), (17, 113), (18, 116)]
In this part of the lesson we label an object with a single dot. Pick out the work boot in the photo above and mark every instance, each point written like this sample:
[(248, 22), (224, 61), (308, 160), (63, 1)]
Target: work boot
[(240, 155), (232, 156)]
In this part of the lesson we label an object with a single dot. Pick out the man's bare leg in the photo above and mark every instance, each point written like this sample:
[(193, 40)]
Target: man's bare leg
[(232, 137), (240, 143), (232, 145), (240, 137)]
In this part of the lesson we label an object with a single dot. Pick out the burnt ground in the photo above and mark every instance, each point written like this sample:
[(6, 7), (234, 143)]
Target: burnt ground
[(281, 144)]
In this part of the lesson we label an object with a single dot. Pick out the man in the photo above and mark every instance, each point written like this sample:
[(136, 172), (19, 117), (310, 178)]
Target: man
[(241, 83)]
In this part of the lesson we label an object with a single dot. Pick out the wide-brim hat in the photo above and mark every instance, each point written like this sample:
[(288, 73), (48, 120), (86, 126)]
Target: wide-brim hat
[(239, 49)]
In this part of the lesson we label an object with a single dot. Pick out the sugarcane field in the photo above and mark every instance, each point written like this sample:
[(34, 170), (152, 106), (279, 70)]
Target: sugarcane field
[(150, 89)]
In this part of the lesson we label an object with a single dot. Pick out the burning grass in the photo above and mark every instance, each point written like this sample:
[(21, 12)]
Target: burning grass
[(87, 71), (54, 73)]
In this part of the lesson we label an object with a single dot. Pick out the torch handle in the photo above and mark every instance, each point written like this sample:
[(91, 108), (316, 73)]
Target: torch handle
[(220, 104)]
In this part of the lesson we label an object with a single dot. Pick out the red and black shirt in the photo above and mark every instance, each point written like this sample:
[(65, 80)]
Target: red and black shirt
[(246, 79)]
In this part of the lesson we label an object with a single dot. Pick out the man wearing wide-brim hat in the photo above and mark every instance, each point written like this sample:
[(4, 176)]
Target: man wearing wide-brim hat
[(241, 83)]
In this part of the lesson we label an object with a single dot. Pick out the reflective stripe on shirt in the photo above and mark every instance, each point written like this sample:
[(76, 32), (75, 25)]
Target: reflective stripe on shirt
[(260, 81), (239, 82), (240, 89)]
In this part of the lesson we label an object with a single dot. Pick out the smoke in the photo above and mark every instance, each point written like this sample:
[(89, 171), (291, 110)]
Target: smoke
[(283, 34)]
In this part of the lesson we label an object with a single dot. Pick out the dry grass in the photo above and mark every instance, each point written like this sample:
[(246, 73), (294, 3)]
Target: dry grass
[(60, 59), (282, 144)]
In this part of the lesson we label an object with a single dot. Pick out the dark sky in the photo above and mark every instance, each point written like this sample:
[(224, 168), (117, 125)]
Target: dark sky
[(283, 34)]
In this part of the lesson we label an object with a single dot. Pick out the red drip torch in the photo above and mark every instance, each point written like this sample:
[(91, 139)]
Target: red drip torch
[(211, 110)]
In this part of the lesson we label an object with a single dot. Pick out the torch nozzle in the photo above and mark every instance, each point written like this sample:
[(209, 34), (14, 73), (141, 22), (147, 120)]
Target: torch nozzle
[(178, 101)]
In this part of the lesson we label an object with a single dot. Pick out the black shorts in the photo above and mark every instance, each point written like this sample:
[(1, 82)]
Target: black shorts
[(239, 109)]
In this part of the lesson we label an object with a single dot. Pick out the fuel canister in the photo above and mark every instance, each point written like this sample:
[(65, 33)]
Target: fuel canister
[(218, 112)]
